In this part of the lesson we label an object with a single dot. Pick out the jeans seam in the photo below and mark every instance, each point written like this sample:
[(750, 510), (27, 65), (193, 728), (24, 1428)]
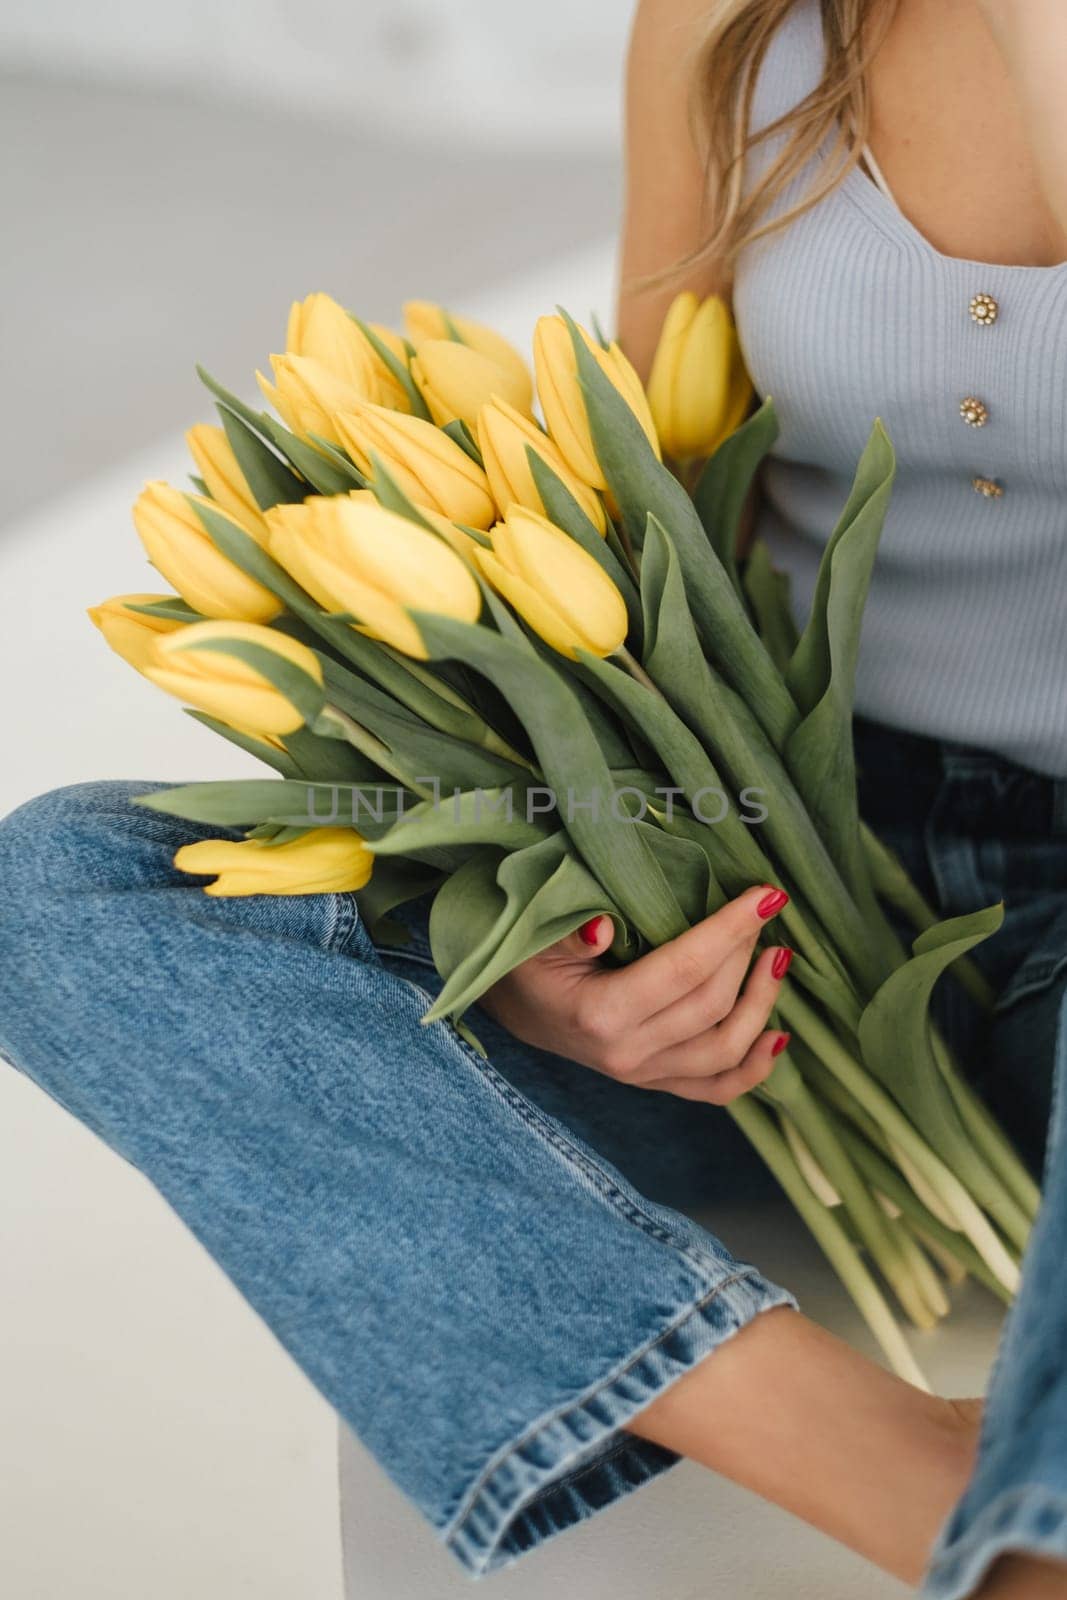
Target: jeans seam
[(546, 1129), (546, 1421), (952, 1553)]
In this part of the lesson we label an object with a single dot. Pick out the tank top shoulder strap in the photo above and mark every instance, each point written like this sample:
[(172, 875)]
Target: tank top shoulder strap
[(792, 66)]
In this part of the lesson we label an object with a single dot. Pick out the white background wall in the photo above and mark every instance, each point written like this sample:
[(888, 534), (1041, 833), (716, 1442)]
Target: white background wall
[(530, 72)]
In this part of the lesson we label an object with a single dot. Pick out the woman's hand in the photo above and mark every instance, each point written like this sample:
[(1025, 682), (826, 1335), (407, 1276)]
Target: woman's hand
[(676, 1019)]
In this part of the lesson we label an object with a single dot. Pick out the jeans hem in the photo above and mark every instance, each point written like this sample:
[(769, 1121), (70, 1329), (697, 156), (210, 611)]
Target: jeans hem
[(578, 1460), (1031, 1520)]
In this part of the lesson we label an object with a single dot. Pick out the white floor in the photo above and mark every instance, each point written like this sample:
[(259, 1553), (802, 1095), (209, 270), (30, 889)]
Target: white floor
[(154, 1439)]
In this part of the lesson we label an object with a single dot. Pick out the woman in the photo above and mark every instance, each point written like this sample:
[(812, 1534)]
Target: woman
[(481, 1263)]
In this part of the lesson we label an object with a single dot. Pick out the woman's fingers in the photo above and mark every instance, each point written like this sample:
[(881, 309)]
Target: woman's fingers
[(715, 1000), (723, 1045), (664, 976), (723, 1087)]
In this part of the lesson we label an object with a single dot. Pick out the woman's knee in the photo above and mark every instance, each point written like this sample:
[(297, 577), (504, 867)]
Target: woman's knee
[(84, 836)]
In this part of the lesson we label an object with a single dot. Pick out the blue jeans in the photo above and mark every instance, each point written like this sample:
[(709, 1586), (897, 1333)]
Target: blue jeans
[(484, 1265)]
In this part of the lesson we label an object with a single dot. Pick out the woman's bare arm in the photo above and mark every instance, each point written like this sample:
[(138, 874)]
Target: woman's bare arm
[(665, 183)]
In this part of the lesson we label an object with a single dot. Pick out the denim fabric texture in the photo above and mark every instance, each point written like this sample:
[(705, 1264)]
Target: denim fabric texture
[(482, 1296), (483, 1264)]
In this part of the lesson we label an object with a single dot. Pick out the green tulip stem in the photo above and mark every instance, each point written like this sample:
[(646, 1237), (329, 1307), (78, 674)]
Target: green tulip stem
[(987, 1135), (945, 1184), (923, 1274), (787, 1089), (883, 1175), (482, 735), (334, 723), (893, 885), (758, 1128), (636, 671)]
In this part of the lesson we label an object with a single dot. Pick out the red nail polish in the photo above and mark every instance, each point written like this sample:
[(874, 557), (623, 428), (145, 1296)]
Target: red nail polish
[(772, 903), (780, 964), (780, 1043), (589, 931)]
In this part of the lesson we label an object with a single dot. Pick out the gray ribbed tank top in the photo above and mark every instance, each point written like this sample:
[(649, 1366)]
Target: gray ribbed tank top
[(848, 314)]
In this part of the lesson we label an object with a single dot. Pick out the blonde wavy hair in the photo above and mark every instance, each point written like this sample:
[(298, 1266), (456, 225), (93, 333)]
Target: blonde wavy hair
[(725, 69)]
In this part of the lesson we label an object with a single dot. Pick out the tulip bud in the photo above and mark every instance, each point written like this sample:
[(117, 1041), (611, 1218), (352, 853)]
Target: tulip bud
[(217, 465), (180, 547), (203, 665), (321, 861), (698, 391), (321, 328), (456, 382), (452, 533), (564, 595), (423, 321), (563, 402), (503, 438), (132, 634), (358, 558), (308, 396), (428, 466)]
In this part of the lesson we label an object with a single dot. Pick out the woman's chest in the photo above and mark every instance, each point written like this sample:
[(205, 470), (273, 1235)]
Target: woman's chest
[(950, 133), (848, 314)]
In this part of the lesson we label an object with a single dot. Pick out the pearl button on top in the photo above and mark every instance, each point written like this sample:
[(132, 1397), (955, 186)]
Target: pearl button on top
[(974, 412), (984, 310)]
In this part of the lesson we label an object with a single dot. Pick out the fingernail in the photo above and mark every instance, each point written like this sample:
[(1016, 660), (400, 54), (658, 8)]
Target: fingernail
[(589, 932), (780, 964), (780, 1043), (772, 903)]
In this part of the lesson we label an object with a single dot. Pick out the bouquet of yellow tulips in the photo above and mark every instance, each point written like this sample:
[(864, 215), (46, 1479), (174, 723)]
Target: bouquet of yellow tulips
[(515, 664)]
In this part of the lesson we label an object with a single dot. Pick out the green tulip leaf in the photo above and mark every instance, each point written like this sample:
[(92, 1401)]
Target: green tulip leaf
[(322, 472), (174, 610), (643, 485), (821, 675), (399, 370), (767, 592), (256, 420), (460, 434), (280, 760), (393, 884), (723, 487), (572, 763), (244, 802), (465, 910), (897, 1039), (272, 483), (481, 816), (741, 749), (545, 894)]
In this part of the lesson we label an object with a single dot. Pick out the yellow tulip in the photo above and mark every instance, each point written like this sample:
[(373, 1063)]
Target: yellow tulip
[(562, 400), (195, 666), (428, 466), (359, 558), (180, 547), (565, 596), (503, 437), (321, 328), (423, 321), (132, 634), (456, 382), (308, 396), (698, 391), (461, 541), (217, 465), (322, 861)]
